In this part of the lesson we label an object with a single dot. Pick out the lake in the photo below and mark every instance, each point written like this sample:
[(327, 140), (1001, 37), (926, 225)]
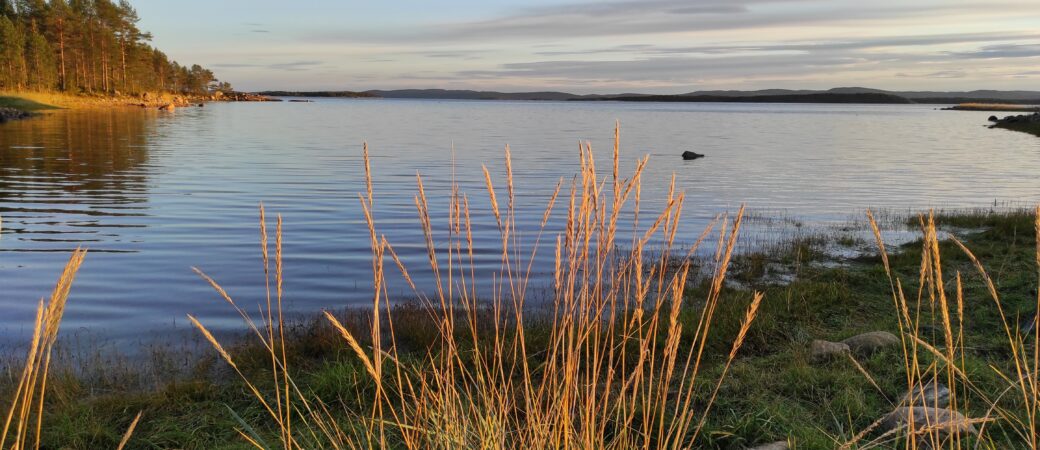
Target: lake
[(153, 194)]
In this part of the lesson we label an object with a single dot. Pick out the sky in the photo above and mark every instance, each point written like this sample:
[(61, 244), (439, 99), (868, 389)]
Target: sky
[(650, 46)]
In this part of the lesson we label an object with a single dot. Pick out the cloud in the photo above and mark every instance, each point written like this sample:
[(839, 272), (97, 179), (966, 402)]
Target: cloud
[(806, 45), (1003, 51), (295, 65), (260, 31), (939, 74), (289, 66), (656, 17)]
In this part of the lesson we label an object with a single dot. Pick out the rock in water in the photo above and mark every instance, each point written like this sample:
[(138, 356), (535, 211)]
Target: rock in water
[(12, 114), (778, 445), (688, 155), (932, 393), (943, 420), (868, 343), (168, 107), (820, 350)]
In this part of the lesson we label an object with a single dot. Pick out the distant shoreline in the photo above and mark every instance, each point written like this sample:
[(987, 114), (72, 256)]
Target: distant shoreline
[(16, 105), (830, 96)]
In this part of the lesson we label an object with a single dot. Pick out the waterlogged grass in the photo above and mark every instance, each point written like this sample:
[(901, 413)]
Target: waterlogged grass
[(639, 351)]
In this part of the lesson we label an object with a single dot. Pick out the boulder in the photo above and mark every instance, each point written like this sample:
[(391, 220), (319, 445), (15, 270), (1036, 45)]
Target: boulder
[(820, 350), (12, 114), (925, 417), (778, 445), (688, 155), (932, 393), (868, 343)]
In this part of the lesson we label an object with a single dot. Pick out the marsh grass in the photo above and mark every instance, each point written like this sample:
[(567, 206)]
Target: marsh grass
[(615, 367)]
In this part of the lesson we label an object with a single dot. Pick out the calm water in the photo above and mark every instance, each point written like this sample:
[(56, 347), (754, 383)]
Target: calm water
[(152, 195)]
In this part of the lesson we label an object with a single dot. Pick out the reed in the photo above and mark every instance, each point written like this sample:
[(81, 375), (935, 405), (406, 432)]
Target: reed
[(23, 423), (941, 299), (615, 370)]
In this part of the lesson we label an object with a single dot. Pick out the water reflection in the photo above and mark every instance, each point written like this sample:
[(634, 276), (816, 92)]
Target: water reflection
[(151, 195), (74, 178)]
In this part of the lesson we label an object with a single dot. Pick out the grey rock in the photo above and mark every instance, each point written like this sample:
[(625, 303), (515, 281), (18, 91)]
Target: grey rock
[(778, 445), (924, 417), (868, 343), (820, 350), (932, 393), (12, 114)]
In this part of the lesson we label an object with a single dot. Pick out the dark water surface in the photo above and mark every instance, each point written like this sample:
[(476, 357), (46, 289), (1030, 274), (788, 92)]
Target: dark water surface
[(152, 194)]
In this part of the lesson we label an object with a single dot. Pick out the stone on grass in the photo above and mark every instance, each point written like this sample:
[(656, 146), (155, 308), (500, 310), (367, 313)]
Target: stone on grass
[(778, 445), (868, 343), (943, 420), (932, 393), (820, 350)]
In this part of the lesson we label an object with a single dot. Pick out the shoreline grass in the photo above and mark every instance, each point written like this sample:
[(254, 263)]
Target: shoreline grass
[(1011, 107), (640, 351), (1031, 128), (23, 103), (774, 390)]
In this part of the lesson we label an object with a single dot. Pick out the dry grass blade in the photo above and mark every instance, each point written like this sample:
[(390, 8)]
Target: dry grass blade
[(129, 432), (31, 388), (613, 330)]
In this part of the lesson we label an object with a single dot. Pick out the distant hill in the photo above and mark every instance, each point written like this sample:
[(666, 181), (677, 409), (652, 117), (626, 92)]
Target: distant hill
[(475, 95), (835, 95), (823, 97), (937, 97), (337, 94)]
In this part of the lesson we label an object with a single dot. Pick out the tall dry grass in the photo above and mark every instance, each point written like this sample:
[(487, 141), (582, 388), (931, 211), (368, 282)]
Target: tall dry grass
[(940, 298), (613, 372), (23, 423)]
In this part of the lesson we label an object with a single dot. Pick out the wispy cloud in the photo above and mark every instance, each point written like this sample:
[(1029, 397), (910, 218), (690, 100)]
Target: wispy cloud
[(290, 66)]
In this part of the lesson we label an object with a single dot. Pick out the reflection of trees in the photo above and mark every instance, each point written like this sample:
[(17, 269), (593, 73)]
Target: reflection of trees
[(73, 173)]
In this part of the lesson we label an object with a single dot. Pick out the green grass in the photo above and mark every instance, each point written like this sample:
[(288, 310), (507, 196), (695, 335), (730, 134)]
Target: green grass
[(773, 391), (24, 104), (1031, 128)]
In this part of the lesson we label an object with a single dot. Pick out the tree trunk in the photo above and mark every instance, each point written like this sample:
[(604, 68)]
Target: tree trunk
[(122, 55), (61, 52)]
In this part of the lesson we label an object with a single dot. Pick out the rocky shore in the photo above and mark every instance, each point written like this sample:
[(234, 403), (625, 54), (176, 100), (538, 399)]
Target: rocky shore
[(7, 114), (1029, 123), (170, 102), (20, 105)]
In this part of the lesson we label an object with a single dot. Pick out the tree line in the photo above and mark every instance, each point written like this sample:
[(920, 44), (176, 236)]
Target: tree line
[(88, 46)]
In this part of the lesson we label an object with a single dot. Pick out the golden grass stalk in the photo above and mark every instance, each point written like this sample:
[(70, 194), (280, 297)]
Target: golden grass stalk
[(949, 314), (25, 414), (615, 370)]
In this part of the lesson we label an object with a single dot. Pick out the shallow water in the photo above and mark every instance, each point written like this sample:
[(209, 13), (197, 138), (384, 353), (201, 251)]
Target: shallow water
[(152, 194)]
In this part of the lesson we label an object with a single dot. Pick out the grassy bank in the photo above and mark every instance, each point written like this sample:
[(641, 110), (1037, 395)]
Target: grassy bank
[(775, 391), (638, 349), (41, 101), (23, 103)]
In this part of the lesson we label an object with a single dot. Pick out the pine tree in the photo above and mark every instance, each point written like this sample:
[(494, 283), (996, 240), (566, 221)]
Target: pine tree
[(12, 45), (86, 46)]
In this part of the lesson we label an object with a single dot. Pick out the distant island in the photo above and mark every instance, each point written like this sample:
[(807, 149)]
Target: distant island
[(318, 94), (835, 95)]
